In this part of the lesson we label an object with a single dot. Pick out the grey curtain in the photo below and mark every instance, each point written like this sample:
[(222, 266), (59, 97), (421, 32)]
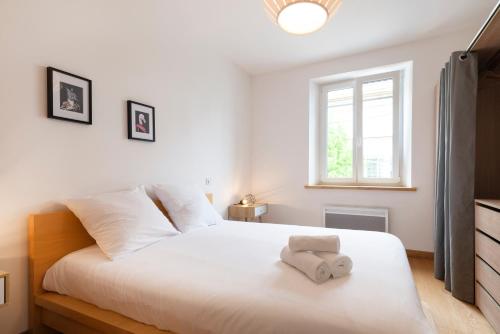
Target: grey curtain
[(454, 206)]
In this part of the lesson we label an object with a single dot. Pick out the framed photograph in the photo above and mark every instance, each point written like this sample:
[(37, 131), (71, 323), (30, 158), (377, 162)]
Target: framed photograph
[(141, 121), (69, 96)]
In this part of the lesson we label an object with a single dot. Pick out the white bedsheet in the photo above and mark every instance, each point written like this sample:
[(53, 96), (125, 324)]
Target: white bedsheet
[(228, 278)]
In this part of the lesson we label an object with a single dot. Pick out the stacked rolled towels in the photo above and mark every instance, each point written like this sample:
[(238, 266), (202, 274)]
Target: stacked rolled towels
[(318, 257)]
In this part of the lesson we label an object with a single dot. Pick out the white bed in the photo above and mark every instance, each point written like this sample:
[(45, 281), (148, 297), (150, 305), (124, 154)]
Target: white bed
[(228, 278)]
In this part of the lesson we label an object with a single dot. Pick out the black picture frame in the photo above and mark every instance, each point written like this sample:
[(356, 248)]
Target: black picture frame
[(132, 119), (56, 114)]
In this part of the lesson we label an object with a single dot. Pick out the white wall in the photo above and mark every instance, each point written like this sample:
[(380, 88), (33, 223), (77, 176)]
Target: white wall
[(280, 141), (131, 50)]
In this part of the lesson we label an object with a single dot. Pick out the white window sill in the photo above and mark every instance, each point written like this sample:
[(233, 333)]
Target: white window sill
[(359, 187)]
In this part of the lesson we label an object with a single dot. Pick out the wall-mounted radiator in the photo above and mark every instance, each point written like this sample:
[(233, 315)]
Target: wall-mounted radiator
[(353, 218)]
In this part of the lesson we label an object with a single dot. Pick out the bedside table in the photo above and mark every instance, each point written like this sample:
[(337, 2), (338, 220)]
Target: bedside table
[(247, 211)]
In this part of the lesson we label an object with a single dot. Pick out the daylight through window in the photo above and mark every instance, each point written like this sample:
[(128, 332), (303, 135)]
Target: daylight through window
[(361, 130)]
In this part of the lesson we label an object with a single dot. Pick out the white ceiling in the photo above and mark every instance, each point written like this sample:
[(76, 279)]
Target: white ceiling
[(242, 30)]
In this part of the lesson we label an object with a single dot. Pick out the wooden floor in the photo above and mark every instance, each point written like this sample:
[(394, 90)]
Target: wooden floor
[(449, 314)]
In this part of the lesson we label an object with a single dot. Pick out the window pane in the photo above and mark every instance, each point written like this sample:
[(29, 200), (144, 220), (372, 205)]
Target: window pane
[(339, 135), (377, 129)]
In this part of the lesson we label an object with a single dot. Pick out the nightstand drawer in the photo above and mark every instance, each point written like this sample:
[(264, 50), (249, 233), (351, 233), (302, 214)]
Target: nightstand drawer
[(250, 211), (260, 210)]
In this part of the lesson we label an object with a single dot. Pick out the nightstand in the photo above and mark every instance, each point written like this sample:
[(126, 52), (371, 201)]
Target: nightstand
[(247, 211), (4, 288)]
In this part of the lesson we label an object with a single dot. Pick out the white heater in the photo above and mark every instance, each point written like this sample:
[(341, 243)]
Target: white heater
[(356, 218)]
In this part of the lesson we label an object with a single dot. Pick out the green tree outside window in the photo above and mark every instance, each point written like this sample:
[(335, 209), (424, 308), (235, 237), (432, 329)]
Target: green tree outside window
[(339, 153)]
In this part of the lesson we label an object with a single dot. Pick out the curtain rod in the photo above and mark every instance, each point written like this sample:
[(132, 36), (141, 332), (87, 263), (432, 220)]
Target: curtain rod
[(481, 31)]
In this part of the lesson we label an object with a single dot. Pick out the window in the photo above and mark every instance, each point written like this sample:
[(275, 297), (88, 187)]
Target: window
[(361, 131)]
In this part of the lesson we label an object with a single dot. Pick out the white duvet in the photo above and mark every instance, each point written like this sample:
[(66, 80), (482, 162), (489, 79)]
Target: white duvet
[(228, 278)]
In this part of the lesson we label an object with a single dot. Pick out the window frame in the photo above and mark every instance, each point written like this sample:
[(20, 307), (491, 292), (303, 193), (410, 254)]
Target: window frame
[(357, 142)]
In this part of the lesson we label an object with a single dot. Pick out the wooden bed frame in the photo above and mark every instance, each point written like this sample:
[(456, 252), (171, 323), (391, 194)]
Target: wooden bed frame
[(52, 236)]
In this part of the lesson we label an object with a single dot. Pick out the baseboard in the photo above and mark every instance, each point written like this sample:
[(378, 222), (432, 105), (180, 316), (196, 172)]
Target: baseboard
[(420, 254)]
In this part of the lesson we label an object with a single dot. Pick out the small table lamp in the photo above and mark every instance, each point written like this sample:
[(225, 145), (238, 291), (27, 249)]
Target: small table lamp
[(248, 199)]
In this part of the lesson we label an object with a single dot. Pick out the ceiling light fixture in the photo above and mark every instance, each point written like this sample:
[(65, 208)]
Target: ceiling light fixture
[(301, 17)]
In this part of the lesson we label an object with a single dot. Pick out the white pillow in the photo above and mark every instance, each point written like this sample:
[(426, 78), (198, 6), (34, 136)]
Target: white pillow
[(122, 222), (187, 206)]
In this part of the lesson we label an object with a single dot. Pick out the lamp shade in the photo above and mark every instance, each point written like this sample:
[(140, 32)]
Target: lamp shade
[(301, 16)]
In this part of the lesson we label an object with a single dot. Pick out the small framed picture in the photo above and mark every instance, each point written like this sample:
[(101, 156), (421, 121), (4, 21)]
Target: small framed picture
[(69, 96), (141, 121)]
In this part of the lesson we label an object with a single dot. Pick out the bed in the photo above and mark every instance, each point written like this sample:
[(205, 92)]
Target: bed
[(192, 284)]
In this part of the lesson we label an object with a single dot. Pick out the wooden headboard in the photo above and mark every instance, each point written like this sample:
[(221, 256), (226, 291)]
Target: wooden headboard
[(51, 237)]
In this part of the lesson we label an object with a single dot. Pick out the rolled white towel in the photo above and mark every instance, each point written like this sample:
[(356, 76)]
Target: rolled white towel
[(320, 243), (311, 265), (339, 264)]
